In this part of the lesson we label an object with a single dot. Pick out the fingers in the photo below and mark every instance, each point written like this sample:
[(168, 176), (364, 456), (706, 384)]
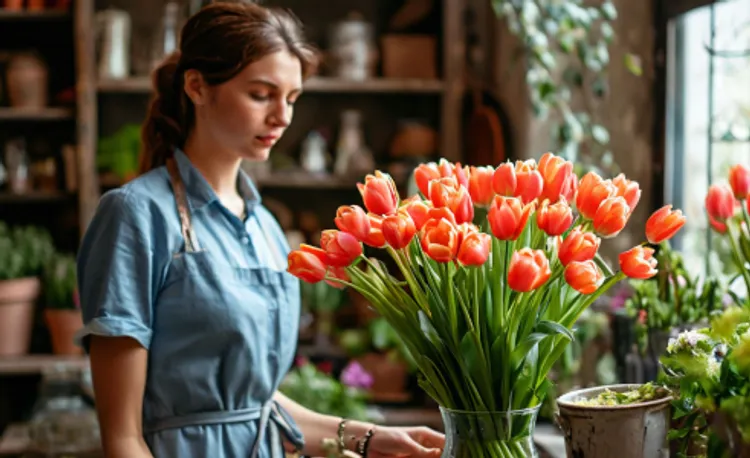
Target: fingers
[(428, 437)]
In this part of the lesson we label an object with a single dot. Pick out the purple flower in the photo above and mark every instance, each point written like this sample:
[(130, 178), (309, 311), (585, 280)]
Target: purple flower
[(355, 376)]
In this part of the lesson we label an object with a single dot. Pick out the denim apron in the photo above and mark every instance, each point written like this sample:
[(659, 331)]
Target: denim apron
[(268, 292)]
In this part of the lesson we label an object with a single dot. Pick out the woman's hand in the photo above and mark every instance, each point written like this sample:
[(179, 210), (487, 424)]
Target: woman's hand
[(420, 442)]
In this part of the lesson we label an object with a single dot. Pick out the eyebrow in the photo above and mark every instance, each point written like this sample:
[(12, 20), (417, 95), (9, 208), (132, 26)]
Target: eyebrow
[(271, 84)]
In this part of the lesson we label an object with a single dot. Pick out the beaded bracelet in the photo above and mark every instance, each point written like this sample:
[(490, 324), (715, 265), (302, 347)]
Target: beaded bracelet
[(364, 443), (342, 425)]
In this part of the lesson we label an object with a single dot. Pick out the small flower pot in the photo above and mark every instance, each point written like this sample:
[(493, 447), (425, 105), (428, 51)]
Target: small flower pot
[(17, 300), (62, 325)]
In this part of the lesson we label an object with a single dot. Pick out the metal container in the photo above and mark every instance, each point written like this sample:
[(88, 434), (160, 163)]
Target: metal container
[(627, 431)]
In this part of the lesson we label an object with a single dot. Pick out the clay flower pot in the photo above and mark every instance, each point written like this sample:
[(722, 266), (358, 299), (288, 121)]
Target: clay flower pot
[(62, 325), (17, 300)]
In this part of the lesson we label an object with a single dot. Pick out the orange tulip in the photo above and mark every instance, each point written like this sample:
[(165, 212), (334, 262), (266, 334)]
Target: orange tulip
[(584, 277), (718, 226), (441, 213), (341, 247), (611, 217), (504, 179), (555, 219), (592, 191), (418, 210), (627, 189), (720, 203), (578, 246), (379, 193), (529, 183), (663, 224), (474, 248), (638, 263), (528, 270), (308, 263), (375, 239), (508, 217), (398, 230), (448, 169), (447, 192), (480, 185), (425, 173), (337, 273), (739, 180), (557, 176), (354, 220), (439, 239)]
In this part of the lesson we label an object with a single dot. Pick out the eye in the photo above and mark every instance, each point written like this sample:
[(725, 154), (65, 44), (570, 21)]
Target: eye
[(258, 96), (291, 102)]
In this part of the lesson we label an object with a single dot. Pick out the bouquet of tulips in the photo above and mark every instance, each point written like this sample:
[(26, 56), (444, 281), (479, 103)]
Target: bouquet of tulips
[(728, 207), (485, 307)]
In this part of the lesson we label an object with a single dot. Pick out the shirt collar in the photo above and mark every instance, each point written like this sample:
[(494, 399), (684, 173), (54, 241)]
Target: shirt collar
[(202, 194)]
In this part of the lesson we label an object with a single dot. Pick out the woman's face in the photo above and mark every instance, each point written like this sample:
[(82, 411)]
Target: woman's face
[(250, 112)]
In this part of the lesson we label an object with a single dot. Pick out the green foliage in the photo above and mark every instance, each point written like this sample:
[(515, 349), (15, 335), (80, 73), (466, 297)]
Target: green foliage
[(565, 46), (60, 284), (118, 153), (24, 251), (709, 373), (321, 297), (324, 394)]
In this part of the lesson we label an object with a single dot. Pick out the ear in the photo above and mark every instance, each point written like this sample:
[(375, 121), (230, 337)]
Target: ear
[(195, 87)]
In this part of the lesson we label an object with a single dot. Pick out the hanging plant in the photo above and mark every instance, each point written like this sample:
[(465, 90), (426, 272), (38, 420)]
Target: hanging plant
[(565, 45)]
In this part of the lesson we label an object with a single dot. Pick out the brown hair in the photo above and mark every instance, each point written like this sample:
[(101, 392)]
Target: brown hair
[(219, 41)]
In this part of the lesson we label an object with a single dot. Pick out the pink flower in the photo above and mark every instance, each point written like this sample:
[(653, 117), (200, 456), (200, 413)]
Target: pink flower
[(355, 376)]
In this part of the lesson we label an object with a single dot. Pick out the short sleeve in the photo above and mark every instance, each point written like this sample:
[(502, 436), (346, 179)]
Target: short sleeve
[(115, 271)]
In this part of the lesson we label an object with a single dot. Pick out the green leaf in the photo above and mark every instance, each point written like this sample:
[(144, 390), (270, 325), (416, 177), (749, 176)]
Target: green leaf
[(552, 328), (600, 134), (633, 64), (608, 33), (523, 349), (609, 11)]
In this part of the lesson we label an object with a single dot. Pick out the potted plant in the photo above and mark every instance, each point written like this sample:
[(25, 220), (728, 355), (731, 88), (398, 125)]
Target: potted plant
[(708, 371), (485, 307), (23, 252), (62, 312)]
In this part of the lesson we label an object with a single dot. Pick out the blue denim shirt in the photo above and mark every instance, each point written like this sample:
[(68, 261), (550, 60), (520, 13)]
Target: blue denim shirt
[(220, 324)]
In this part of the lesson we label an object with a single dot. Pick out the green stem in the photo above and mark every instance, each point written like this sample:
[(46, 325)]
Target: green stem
[(736, 249)]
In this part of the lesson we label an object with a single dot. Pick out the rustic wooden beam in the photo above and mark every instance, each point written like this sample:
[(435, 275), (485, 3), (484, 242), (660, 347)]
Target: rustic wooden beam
[(454, 48)]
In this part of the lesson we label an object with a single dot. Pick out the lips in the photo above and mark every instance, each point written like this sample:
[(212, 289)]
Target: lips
[(267, 140)]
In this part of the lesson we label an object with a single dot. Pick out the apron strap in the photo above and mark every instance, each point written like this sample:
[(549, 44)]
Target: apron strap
[(183, 208)]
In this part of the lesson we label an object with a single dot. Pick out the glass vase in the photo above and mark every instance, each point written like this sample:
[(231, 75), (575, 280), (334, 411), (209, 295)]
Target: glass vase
[(489, 434)]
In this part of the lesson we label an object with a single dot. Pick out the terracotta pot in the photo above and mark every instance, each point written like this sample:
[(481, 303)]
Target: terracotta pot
[(27, 81), (17, 300), (62, 325), (389, 377), (13, 4)]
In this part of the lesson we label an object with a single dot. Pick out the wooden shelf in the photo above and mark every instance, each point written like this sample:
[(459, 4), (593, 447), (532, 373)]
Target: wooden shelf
[(33, 196), (36, 364), (22, 15), (44, 114), (317, 84)]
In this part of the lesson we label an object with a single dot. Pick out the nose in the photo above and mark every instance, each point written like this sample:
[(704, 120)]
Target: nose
[(281, 114)]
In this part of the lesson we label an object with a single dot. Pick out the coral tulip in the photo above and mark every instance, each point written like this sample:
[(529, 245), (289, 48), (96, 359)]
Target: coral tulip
[(720, 203), (398, 230), (504, 179), (739, 180), (592, 191), (307, 263), (447, 192), (529, 183), (638, 263), (439, 239), (508, 217), (663, 224), (628, 190), (448, 169), (425, 173), (379, 194), (718, 226), (528, 270), (480, 185), (441, 213), (338, 273), (584, 277), (375, 239), (555, 219), (418, 210), (354, 220), (611, 217), (557, 176), (341, 247), (474, 248), (578, 246)]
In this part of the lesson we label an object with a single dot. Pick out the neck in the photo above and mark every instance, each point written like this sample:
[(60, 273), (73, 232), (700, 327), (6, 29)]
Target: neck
[(218, 167)]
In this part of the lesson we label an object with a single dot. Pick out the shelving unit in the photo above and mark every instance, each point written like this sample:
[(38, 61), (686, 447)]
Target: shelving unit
[(46, 114)]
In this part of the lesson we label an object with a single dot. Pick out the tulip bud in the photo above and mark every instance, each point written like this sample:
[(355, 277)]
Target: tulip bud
[(628, 190), (557, 176), (342, 248), (578, 246), (739, 180), (354, 220), (584, 277), (308, 263), (611, 217), (592, 191), (663, 224), (398, 230), (508, 217), (528, 270), (480, 185), (504, 180), (555, 219), (425, 173), (379, 194), (638, 263), (720, 203), (439, 239), (474, 249), (529, 183)]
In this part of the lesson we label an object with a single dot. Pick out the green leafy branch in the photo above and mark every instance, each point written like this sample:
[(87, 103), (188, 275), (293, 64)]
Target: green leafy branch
[(565, 45)]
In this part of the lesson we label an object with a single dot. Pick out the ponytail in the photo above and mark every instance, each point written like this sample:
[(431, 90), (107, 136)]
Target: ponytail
[(168, 117)]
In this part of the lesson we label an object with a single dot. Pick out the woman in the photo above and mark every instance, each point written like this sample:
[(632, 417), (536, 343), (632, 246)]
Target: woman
[(191, 319)]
